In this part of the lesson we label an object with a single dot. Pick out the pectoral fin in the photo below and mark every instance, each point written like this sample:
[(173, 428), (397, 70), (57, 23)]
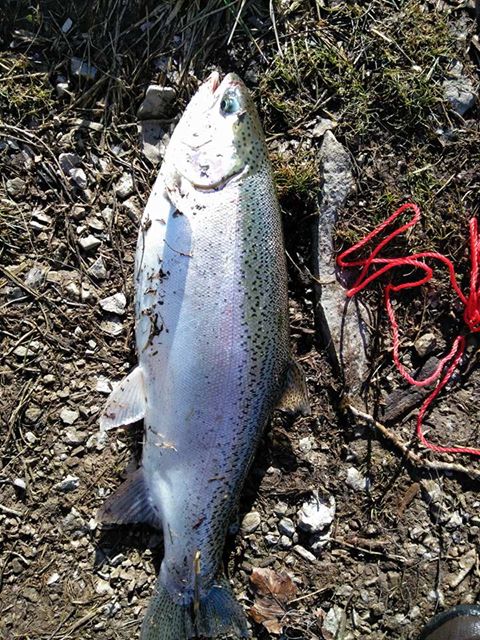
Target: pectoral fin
[(126, 403), (294, 398), (130, 503)]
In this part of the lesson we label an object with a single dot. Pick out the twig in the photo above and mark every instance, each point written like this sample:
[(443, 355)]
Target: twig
[(416, 460)]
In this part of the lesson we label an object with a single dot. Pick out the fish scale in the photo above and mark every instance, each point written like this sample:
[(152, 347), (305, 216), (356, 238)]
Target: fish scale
[(212, 338)]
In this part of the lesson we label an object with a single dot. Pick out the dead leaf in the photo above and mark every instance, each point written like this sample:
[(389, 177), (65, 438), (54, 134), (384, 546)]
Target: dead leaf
[(271, 583), (274, 590)]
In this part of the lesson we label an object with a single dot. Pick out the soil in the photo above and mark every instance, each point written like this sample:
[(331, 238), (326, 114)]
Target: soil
[(404, 537)]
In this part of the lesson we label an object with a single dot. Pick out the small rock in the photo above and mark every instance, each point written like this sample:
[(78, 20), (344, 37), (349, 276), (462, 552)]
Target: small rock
[(316, 515), (322, 127), (55, 577), (89, 243), (69, 483), (302, 552), (32, 414), (280, 509), (69, 161), (67, 25), (156, 102), (286, 527), (114, 304), (334, 621), (355, 480), (16, 187), (79, 176), (124, 186), (98, 269), (103, 385), (62, 88), (81, 68), (112, 327), (72, 436), (306, 444), (103, 588), (68, 416), (251, 522), (425, 344), (152, 137), (20, 484), (459, 90), (285, 542), (25, 351)]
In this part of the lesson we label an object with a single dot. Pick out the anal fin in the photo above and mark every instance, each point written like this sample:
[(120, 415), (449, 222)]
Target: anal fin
[(126, 403), (130, 503), (294, 398)]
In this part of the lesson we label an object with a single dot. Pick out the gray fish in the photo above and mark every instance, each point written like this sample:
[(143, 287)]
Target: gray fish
[(212, 334)]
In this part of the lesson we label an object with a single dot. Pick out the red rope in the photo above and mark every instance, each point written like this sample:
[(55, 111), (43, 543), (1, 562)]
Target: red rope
[(471, 314)]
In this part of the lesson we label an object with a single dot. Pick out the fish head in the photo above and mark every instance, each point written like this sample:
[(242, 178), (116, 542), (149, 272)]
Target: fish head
[(218, 139)]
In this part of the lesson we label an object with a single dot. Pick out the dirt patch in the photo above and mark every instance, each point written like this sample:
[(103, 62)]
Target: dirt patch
[(403, 539)]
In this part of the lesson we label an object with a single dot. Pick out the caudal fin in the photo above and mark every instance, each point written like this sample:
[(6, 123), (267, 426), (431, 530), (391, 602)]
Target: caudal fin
[(217, 614)]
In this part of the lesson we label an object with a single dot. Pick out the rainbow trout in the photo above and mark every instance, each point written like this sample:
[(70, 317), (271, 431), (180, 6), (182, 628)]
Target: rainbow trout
[(212, 334)]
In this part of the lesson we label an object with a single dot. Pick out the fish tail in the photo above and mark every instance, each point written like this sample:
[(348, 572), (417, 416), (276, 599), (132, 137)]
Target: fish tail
[(217, 614)]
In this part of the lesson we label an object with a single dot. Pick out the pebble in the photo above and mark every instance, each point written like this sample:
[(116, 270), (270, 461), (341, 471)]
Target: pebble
[(285, 542), (114, 304), (20, 484), (16, 187), (286, 527), (280, 509), (89, 243), (304, 553), (29, 351), (68, 161), (250, 522), (306, 444), (68, 416), (459, 90), (355, 480), (98, 269), (334, 620), (103, 587), (315, 515), (69, 483), (425, 344), (81, 68), (55, 577), (112, 327), (103, 385), (124, 186), (156, 102), (79, 176)]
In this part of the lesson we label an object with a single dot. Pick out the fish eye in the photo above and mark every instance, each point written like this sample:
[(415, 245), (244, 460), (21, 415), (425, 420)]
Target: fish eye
[(229, 104)]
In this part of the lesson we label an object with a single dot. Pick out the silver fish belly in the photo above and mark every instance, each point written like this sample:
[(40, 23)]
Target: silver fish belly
[(213, 360)]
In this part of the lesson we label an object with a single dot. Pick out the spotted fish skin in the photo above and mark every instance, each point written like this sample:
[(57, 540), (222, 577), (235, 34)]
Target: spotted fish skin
[(213, 347)]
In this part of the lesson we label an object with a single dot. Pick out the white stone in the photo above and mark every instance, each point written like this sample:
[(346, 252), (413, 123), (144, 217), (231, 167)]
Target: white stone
[(315, 515), (112, 327), (69, 483), (103, 385), (98, 269), (79, 176), (251, 522), (55, 577), (114, 304), (124, 186), (156, 102), (69, 161), (89, 243), (304, 553), (68, 416), (286, 527), (333, 620), (355, 480), (81, 68)]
